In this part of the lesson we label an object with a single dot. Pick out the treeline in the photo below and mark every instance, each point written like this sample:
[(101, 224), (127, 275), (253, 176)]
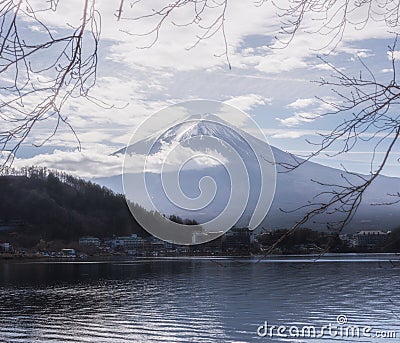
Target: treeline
[(180, 220), (54, 205), (324, 241), (319, 240)]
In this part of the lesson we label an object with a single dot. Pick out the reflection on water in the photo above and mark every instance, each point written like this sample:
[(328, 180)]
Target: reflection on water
[(194, 300)]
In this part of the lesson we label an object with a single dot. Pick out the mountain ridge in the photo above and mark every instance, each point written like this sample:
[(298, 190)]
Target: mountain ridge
[(293, 188)]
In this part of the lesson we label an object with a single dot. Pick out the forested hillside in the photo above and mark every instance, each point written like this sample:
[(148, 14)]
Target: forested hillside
[(52, 205)]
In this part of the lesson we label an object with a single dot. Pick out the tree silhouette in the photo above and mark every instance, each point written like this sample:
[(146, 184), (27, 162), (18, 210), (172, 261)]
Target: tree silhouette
[(39, 75)]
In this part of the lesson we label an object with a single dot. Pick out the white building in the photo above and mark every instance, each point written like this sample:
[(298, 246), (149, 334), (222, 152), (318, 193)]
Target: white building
[(371, 239), (68, 252), (129, 243), (89, 241)]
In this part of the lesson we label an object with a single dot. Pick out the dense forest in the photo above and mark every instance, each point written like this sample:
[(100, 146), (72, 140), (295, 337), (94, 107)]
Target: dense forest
[(51, 205)]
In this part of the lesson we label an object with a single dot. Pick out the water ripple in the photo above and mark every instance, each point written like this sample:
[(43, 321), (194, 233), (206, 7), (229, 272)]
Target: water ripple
[(189, 300)]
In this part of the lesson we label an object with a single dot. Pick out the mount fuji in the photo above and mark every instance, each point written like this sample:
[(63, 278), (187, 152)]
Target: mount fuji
[(293, 189)]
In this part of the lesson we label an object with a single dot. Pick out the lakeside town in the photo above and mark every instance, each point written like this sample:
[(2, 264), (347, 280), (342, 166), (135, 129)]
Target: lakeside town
[(235, 242), (52, 214)]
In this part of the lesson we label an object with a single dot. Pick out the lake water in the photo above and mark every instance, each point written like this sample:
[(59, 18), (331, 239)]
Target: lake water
[(199, 300)]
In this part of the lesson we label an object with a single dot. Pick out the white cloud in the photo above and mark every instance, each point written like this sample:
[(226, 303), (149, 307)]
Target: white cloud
[(315, 108), (298, 118), (86, 164), (393, 54), (172, 157), (322, 66), (271, 61), (100, 162), (302, 103), (171, 50), (364, 54), (248, 102), (292, 134)]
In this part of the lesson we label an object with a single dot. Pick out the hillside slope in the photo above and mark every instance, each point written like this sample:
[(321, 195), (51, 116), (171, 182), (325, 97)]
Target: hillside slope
[(62, 207)]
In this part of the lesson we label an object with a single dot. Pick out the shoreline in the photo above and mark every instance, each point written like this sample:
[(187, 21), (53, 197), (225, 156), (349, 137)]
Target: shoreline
[(110, 258)]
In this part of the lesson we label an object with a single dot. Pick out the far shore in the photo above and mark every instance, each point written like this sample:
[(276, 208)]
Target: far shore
[(105, 258)]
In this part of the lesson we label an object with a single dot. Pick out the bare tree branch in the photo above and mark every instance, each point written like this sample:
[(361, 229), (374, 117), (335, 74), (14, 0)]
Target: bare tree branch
[(32, 89), (208, 16), (368, 107)]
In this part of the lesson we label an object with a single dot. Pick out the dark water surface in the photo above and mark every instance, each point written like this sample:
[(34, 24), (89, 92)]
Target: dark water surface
[(196, 300)]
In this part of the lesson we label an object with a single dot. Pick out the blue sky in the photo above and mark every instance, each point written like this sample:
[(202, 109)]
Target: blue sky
[(275, 86)]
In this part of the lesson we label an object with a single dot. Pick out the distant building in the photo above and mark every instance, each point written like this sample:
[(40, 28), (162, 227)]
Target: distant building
[(371, 239), (129, 243), (68, 252), (157, 244), (89, 241)]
